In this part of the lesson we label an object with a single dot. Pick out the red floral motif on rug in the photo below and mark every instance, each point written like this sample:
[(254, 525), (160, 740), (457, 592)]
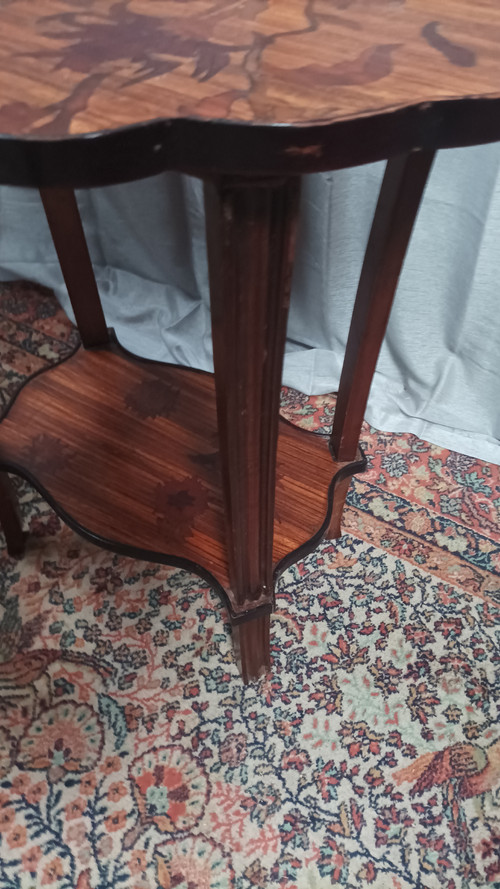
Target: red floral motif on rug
[(132, 755)]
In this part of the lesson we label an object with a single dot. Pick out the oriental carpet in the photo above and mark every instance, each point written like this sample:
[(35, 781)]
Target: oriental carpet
[(131, 754)]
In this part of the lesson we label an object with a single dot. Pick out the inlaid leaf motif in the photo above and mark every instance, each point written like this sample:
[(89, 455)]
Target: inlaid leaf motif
[(47, 453), (177, 503), (152, 398), (454, 52), (112, 63)]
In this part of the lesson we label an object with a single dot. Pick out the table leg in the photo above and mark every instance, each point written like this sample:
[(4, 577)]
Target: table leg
[(251, 228), (63, 216), (10, 519), (400, 195)]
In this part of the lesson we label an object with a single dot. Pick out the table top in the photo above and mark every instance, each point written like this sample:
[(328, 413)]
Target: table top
[(78, 67)]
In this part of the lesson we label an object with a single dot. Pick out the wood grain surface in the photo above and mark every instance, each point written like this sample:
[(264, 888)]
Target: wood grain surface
[(128, 449), (76, 67)]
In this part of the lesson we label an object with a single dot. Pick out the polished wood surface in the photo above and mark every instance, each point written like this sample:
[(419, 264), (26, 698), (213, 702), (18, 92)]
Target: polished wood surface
[(322, 84), (128, 450), (73, 67)]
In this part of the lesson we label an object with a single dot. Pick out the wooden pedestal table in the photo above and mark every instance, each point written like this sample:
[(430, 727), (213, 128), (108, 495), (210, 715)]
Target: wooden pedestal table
[(170, 464)]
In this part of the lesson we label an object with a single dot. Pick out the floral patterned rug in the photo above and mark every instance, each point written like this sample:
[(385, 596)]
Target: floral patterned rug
[(131, 754)]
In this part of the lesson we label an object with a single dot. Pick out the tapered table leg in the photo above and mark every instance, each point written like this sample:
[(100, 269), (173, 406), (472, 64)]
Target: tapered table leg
[(63, 217), (64, 221), (251, 228), (10, 520), (400, 195)]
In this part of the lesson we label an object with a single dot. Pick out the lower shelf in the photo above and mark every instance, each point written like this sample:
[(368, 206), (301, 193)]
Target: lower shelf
[(126, 450)]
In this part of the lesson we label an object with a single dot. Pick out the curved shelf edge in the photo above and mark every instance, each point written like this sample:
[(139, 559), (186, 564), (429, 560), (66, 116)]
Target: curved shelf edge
[(108, 465), (146, 555), (7, 408), (310, 545), (133, 552)]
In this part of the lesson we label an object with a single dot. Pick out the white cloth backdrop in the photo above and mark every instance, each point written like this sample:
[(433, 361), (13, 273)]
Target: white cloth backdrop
[(439, 369)]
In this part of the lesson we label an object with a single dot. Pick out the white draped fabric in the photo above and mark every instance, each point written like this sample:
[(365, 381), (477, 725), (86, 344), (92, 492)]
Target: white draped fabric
[(439, 369)]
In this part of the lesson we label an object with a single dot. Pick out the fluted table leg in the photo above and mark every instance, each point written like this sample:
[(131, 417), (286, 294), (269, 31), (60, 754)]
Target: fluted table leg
[(250, 235)]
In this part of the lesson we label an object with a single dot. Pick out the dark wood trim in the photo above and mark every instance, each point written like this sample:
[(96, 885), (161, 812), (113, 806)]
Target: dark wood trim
[(340, 490), (63, 217), (400, 195), (204, 148), (10, 518)]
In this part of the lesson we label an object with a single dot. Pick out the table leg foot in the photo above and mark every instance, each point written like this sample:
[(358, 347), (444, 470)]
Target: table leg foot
[(251, 642), (10, 519)]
